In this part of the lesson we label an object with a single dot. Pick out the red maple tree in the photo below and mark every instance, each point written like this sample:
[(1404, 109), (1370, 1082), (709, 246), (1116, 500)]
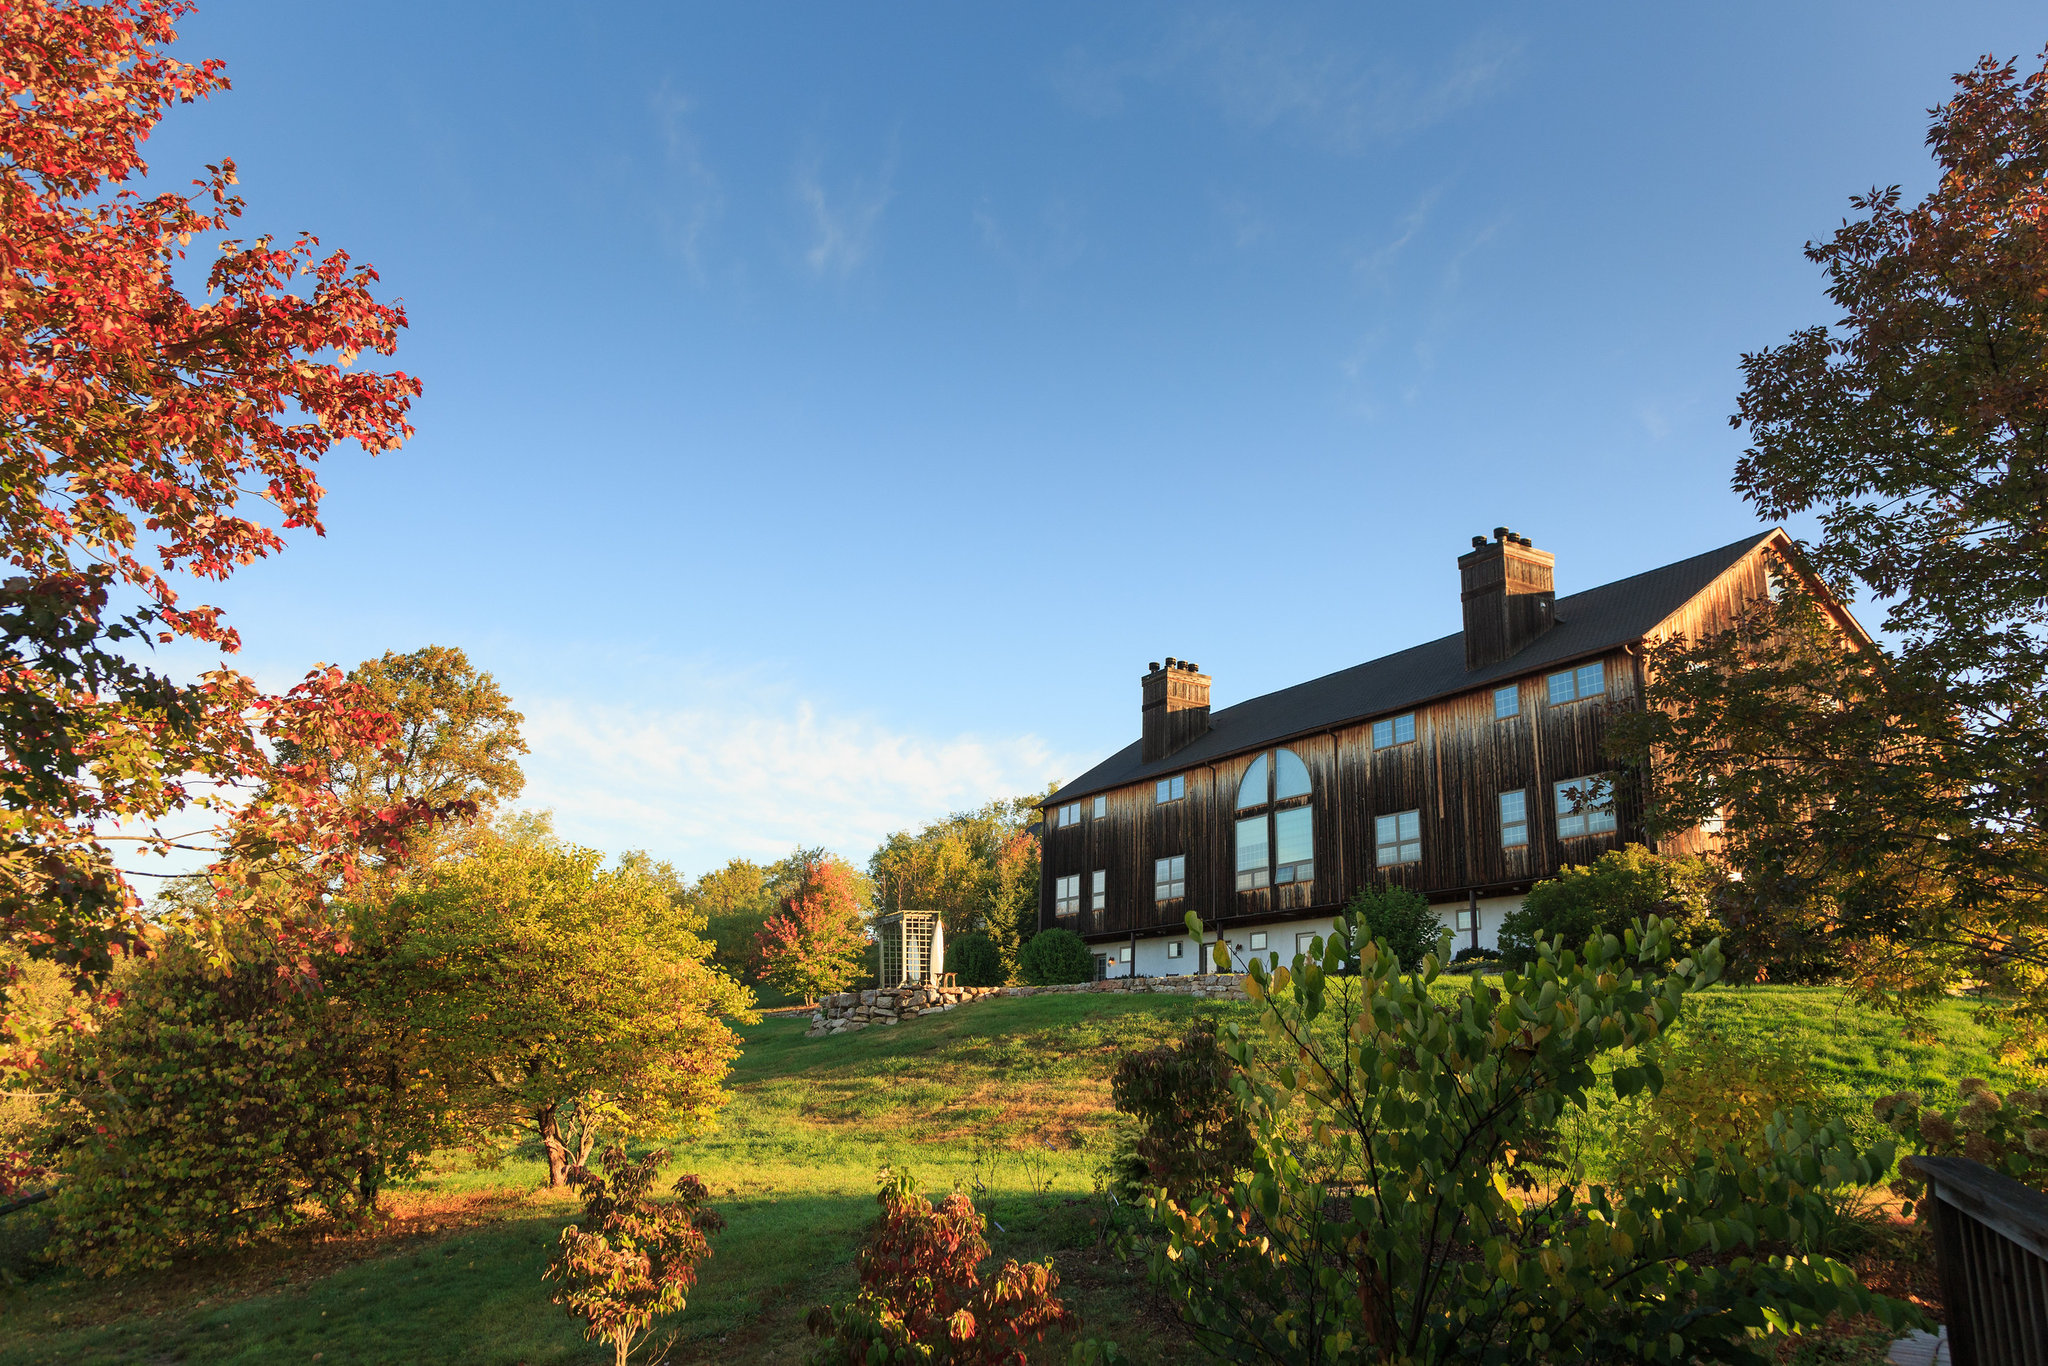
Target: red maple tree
[(149, 436), (814, 944)]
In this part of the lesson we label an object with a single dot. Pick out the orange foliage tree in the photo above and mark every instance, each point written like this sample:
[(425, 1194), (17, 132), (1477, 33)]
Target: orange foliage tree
[(147, 436), (814, 944)]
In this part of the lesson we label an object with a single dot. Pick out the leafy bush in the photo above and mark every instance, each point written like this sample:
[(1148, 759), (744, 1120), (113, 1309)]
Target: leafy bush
[(1054, 957), (1475, 960), (1400, 919), (922, 1299), (2007, 1133), (207, 1111), (1611, 893), (1380, 1219), (632, 1257), (1191, 1131), (1716, 1092), (974, 960)]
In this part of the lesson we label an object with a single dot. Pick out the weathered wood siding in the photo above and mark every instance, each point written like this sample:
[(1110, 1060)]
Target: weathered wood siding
[(1453, 773)]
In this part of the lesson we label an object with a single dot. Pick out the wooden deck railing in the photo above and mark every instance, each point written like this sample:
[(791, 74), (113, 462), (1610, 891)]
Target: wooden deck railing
[(1991, 1251)]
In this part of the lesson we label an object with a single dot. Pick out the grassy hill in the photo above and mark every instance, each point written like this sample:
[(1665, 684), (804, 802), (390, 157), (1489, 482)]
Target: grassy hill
[(1012, 1095)]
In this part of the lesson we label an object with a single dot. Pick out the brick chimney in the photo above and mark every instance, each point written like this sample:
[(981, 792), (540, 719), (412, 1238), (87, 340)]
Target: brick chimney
[(1509, 596), (1176, 707)]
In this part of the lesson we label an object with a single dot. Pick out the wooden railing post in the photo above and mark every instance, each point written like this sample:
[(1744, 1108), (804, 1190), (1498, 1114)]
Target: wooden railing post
[(1991, 1253)]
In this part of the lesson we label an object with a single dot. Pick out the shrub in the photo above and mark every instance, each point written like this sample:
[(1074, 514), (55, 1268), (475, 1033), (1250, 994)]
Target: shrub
[(2007, 1133), (1379, 1217), (1400, 919), (975, 961), (1054, 957), (1716, 1091), (1191, 1130), (1611, 893), (632, 1257), (922, 1298)]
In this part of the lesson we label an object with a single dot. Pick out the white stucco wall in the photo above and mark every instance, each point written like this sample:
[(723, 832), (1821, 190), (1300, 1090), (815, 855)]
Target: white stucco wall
[(1285, 937)]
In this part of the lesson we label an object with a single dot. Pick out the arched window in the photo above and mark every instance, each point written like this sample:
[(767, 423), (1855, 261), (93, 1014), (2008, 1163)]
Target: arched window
[(1275, 823)]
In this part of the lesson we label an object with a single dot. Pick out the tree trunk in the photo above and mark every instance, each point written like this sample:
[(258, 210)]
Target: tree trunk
[(548, 1123)]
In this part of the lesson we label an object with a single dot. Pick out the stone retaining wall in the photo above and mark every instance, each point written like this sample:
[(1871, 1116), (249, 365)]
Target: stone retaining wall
[(851, 1010)]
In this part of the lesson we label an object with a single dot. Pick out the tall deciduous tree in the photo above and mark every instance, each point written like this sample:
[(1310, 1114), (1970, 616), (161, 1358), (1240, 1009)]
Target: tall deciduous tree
[(556, 996), (1897, 791), (814, 944), (144, 434), (977, 869)]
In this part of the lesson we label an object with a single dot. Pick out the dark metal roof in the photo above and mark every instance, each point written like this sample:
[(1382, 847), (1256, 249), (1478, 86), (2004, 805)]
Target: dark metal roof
[(1591, 622)]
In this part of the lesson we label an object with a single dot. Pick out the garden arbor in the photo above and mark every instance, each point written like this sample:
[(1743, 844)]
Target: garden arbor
[(913, 948)]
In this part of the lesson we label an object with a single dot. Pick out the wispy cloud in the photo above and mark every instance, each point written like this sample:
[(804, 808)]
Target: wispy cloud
[(732, 777), (843, 219), (1036, 249), (1264, 72), (692, 200), (1375, 262)]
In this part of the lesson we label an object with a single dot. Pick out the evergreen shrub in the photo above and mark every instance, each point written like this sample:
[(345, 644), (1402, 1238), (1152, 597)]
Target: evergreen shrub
[(1055, 957), (1399, 918), (974, 960)]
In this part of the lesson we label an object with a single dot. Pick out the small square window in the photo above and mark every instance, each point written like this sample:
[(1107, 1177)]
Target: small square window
[(1171, 789), (1398, 838), (1066, 895), (1101, 808), (1169, 878), (1099, 890), (1507, 702), (1395, 730), (1305, 945), (1592, 679), (1258, 939), (1123, 955), (1514, 819), (1176, 948), (1591, 814)]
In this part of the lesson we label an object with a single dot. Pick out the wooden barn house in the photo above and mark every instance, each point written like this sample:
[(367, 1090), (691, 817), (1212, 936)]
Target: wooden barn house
[(1459, 768)]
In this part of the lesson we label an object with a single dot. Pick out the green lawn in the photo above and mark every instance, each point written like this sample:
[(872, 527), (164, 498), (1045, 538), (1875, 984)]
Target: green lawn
[(1011, 1093)]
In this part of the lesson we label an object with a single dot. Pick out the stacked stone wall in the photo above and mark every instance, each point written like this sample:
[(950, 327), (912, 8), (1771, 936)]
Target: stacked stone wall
[(851, 1010)]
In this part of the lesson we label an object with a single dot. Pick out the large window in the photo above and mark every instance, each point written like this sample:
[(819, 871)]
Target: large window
[(1395, 730), (1098, 890), (1507, 702), (1585, 806), (1101, 807), (1398, 838), (1588, 680), (1070, 814), (1066, 895), (1170, 878), (1514, 819), (1275, 823), (1170, 789)]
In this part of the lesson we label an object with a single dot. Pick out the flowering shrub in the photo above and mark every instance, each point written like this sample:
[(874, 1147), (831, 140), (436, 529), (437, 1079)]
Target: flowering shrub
[(922, 1299), (632, 1257), (2007, 1133)]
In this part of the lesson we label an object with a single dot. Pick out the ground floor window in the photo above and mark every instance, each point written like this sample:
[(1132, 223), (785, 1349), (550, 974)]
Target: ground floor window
[(1467, 920), (1176, 949)]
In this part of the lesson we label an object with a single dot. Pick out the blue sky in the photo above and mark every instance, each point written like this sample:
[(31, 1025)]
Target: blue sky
[(829, 410)]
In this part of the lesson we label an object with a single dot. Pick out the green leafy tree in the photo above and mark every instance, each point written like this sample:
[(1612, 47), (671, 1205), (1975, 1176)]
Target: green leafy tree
[(815, 943), (1889, 793), (1611, 893), (633, 1256), (1401, 919), (977, 869), (1055, 957), (1389, 1211), (974, 960), (555, 996)]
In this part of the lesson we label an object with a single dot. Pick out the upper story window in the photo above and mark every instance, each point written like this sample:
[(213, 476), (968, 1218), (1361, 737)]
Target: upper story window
[(1395, 730), (1101, 808), (1275, 823), (1170, 878), (1585, 806), (1398, 838), (1507, 701), (1098, 890), (1066, 895), (1070, 814), (1588, 680), (1514, 819), (1171, 789)]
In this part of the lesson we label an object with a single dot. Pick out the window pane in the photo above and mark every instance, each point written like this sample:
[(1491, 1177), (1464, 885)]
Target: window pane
[(1252, 862), (1252, 791), (1173, 949), (1561, 689), (1514, 835), (1404, 728), (1386, 830), (1294, 835), (1411, 825), (1507, 701), (1600, 822), (1514, 806), (1101, 807), (1290, 775), (1592, 680), (1101, 888), (1258, 939), (1305, 945), (1177, 787), (1411, 853)]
